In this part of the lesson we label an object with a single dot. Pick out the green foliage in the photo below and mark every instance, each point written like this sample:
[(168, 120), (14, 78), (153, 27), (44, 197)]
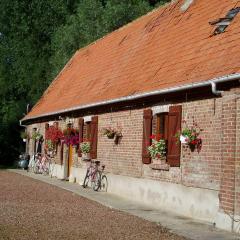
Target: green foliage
[(85, 147), (26, 30), (157, 148), (36, 135), (37, 38), (24, 135)]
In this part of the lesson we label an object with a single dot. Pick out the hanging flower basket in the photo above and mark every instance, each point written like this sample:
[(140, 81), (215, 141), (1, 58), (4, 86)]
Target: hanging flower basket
[(24, 136), (190, 136), (71, 136), (113, 133), (54, 134), (109, 132), (183, 139), (53, 137), (37, 135)]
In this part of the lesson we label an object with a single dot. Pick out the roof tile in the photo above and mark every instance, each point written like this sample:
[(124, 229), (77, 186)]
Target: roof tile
[(163, 49)]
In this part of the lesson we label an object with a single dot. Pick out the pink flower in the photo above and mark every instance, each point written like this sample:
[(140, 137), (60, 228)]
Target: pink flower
[(153, 136)]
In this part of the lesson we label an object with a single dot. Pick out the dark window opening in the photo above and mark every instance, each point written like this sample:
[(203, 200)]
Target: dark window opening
[(161, 126), (87, 131), (223, 23)]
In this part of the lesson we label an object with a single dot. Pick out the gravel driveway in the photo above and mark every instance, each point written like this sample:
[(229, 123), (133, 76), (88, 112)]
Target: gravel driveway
[(30, 209)]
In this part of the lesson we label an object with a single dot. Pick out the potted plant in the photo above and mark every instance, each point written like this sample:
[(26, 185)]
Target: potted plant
[(36, 135), (49, 147), (190, 136), (109, 132), (54, 134), (71, 136), (85, 148), (157, 149), (24, 136)]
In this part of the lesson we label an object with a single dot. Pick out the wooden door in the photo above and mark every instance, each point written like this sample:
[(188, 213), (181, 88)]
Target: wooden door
[(70, 159)]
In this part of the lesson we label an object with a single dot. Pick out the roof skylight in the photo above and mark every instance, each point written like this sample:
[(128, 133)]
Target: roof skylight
[(223, 23)]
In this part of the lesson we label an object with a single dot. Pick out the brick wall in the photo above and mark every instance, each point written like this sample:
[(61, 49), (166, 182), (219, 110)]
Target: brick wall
[(126, 157), (237, 173), (203, 169), (197, 169), (41, 128), (228, 153), (216, 166)]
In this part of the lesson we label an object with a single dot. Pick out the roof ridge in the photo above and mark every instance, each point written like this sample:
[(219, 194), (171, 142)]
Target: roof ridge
[(128, 24)]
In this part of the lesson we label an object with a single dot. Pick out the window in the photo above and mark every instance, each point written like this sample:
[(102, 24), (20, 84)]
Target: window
[(166, 125), (223, 23), (89, 131), (160, 122)]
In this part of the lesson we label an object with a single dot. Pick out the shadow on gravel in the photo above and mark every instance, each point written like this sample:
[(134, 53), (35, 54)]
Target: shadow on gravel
[(5, 167)]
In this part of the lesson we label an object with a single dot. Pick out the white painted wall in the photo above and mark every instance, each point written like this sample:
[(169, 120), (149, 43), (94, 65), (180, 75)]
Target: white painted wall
[(191, 202), (58, 171), (196, 203)]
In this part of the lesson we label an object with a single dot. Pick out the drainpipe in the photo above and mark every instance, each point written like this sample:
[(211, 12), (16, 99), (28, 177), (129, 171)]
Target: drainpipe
[(214, 89), (20, 123)]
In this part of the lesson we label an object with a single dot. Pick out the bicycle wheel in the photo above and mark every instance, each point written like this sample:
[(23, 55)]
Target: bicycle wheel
[(86, 181), (97, 181), (104, 183), (45, 169), (36, 168)]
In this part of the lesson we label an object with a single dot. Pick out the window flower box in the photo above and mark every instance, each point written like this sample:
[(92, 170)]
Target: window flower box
[(85, 148), (157, 149)]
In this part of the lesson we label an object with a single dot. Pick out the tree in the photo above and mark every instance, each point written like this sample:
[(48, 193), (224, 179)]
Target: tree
[(26, 30), (37, 38)]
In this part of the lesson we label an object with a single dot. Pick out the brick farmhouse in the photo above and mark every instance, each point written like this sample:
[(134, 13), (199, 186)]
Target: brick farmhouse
[(176, 66)]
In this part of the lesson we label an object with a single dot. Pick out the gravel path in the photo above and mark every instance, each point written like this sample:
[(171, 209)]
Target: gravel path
[(30, 209)]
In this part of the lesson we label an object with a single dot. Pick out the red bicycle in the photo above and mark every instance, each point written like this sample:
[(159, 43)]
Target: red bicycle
[(95, 178)]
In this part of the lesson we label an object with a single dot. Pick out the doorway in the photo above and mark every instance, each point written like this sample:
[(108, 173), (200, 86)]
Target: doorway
[(70, 159)]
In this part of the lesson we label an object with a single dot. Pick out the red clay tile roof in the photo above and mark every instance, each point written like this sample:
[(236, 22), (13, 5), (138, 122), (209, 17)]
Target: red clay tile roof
[(162, 49)]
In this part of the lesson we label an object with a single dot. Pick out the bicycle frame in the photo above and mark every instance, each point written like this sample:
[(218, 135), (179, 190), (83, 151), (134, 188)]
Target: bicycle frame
[(92, 169), (95, 176), (40, 164)]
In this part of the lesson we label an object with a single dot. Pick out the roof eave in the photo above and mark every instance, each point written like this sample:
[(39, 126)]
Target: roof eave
[(235, 76)]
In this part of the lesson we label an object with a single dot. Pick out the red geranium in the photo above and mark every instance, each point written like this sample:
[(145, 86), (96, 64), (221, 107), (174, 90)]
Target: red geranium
[(54, 134), (155, 137)]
